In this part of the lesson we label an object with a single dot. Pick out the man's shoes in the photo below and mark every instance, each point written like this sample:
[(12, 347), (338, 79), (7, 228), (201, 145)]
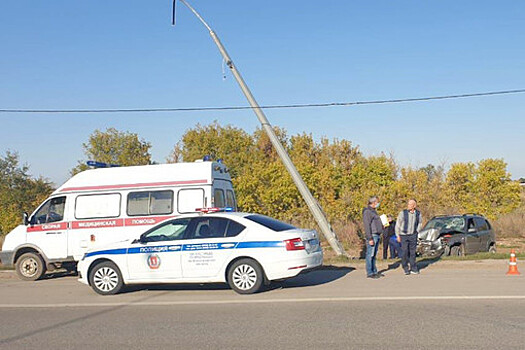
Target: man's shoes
[(379, 274), (407, 272), (414, 272), (373, 276)]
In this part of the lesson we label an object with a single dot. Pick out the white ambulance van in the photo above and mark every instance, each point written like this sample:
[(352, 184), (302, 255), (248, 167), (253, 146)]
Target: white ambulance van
[(101, 206)]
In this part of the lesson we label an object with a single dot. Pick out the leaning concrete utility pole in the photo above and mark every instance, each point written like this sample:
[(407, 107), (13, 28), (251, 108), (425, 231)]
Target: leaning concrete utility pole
[(313, 205)]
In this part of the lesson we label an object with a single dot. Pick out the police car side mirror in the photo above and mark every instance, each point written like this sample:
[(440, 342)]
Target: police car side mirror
[(25, 219), (141, 240)]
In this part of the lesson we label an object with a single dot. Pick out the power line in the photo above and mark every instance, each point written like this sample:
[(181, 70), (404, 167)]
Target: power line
[(289, 106)]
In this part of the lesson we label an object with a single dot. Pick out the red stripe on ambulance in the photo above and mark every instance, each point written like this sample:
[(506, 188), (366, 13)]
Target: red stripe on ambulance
[(123, 186), (149, 220), (48, 227), (97, 223)]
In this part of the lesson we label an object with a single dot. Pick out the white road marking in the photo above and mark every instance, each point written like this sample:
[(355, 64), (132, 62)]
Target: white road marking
[(268, 301)]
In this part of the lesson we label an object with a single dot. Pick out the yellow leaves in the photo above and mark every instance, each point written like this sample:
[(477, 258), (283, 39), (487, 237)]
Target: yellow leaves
[(484, 188), (18, 192), (341, 178), (115, 147)]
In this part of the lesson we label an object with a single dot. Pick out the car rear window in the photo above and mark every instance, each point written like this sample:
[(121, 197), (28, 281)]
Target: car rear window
[(270, 223)]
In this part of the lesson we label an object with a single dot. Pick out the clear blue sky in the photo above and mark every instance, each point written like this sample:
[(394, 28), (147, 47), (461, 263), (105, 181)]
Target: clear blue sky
[(125, 54)]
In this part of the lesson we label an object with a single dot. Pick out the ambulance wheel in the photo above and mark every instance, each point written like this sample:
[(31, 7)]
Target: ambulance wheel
[(245, 276), (30, 267), (105, 278)]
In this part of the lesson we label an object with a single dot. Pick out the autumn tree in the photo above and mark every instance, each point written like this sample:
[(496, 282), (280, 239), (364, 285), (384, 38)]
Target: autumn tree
[(341, 178), (18, 191), (115, 147), (231, 144)]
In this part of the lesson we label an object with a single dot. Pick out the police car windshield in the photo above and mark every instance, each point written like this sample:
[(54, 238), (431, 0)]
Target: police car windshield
[(270, 223)]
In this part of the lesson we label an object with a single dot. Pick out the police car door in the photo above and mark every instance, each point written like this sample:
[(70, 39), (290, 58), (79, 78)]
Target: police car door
[(156, 256), (211, 243), (48, 230)]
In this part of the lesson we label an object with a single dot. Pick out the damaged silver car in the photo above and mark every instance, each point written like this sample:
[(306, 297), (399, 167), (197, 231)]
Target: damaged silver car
[(456, 235)]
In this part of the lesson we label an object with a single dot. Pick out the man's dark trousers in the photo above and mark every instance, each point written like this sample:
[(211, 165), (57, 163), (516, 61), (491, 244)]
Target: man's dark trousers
[(386, 240), (408, 248)]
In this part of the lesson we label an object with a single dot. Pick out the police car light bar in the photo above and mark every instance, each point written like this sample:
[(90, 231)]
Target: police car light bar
[(214, 210)]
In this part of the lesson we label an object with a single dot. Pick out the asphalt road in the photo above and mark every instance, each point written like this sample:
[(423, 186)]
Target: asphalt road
[(457, 305)]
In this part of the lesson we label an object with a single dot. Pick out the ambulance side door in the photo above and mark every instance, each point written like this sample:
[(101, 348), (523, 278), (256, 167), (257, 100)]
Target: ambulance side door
[(157, 254), (48, 230)]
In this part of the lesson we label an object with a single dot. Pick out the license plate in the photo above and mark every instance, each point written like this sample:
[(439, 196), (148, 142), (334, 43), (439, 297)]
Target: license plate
[(314, 243)]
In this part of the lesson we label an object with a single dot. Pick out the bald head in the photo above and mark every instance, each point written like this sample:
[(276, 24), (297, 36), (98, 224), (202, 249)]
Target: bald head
[(412, 204)]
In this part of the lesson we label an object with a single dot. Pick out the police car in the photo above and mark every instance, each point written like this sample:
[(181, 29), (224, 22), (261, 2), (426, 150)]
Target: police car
[(245, 250)]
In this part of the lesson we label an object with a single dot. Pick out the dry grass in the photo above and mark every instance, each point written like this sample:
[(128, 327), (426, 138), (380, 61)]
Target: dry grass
[(511, 225)]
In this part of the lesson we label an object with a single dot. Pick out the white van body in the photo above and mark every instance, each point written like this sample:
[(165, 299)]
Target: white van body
[(100, 206)]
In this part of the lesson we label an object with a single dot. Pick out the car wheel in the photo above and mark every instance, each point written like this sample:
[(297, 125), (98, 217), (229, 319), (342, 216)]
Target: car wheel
[(245, 276), (457, 250), (30, 267), (446, 251), (492, 248), (105, 278)]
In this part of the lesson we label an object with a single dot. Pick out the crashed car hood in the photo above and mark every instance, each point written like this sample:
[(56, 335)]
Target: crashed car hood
[(430, 234)]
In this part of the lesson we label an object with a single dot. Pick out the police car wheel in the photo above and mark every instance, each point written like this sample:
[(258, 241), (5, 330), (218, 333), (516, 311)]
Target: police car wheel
[(105, 278), (30, 267), (245, 276)]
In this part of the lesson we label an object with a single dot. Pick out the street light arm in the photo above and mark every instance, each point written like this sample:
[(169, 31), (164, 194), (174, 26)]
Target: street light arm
[(197, 15)]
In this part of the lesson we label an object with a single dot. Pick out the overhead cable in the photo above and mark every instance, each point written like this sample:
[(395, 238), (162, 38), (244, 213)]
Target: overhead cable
[(284, 106)]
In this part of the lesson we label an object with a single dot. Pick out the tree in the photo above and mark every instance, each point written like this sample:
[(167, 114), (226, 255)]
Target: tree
[(484, 188), (115, 147), (341, 178), (18, 191), (231, 144), (497, 193)]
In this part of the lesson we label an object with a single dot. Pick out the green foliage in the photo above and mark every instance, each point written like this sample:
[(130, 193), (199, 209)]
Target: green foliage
[(115, 147), (341, 178), (484, 188), (18, 191)]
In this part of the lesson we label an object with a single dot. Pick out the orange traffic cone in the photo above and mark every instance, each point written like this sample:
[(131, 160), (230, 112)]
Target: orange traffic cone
[(513, 264)]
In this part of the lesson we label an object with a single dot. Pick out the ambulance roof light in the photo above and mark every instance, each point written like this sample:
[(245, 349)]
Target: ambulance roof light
[(96, 164)]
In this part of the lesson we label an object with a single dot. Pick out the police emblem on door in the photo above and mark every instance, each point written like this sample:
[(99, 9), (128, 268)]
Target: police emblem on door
[(153, 261)]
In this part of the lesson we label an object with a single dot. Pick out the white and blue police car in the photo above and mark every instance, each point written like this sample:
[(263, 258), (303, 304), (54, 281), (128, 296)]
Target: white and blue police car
[(242, 249)]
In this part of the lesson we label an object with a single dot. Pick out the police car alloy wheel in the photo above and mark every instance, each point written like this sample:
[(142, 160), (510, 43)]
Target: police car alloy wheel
[(105, 278), (30, 267), (245, 276)]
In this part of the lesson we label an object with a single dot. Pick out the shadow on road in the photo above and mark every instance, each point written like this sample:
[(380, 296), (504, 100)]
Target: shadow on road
[(426, 262), (313, 278), (392, 266), (321, 276), (57, 274), (421, 263)]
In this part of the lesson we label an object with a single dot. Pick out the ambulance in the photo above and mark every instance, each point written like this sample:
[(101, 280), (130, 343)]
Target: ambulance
[(100, 206)]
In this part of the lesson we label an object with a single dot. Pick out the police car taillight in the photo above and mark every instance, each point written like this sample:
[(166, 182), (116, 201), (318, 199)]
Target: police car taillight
[(294, 244)]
